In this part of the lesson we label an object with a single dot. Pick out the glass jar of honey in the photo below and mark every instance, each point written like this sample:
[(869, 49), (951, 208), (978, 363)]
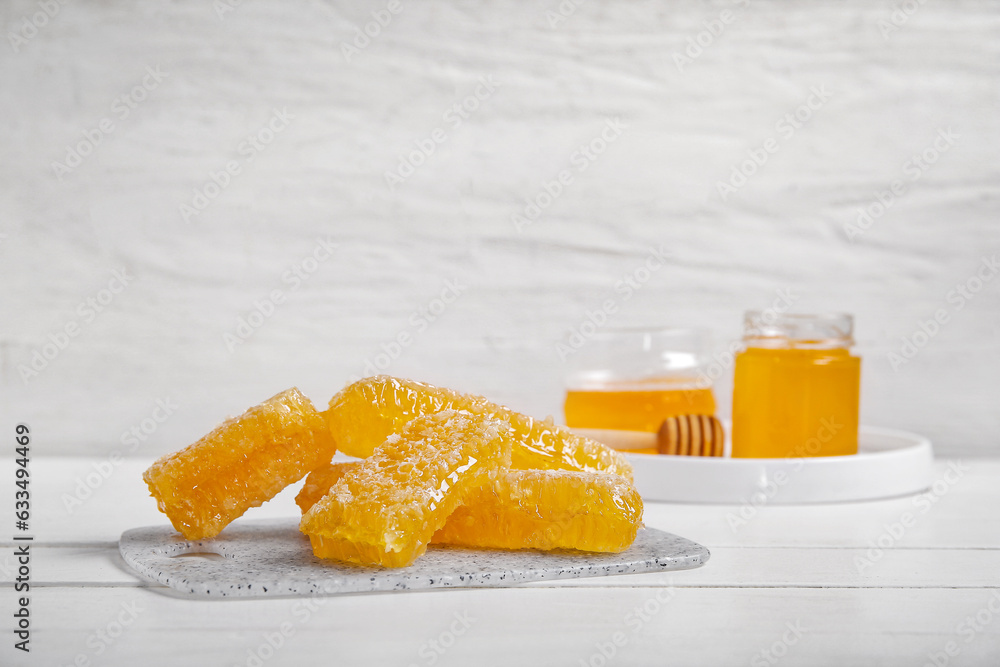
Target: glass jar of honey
[(797, 387), (633, 379)]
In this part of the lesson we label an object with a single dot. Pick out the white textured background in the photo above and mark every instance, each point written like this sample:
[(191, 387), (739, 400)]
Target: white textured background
[(323, 176)]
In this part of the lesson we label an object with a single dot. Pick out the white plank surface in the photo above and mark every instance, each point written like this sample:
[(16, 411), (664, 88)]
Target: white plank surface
[(964, 515), (531, 626), (656, 185), (730, 567), (810, 566)]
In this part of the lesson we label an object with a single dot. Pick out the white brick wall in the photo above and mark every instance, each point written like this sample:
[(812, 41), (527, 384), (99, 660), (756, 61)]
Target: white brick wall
[(323, 175)]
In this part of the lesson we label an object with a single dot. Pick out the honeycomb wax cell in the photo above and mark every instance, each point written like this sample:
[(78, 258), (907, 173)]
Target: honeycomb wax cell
[(527, 509), (363, 414), (241, 464), (385, 510)]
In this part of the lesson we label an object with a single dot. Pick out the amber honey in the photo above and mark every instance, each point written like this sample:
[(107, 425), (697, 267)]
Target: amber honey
[(796, 397), (633, 379), (637, 407)]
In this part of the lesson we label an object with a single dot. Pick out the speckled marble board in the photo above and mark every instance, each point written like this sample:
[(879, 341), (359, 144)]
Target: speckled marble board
[(273, 559)]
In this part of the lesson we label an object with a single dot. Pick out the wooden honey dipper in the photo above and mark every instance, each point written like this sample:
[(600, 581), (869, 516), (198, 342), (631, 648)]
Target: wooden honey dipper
[(691, 435), (684, 435)]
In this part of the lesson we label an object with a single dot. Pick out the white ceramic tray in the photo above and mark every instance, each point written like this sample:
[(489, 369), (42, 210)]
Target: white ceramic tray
[(889, 463)]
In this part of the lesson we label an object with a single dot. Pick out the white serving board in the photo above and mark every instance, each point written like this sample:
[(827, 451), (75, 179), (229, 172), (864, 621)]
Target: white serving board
[(888, 463), (273, 559)]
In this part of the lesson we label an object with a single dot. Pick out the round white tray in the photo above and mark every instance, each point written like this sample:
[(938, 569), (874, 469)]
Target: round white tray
[(888, 463)]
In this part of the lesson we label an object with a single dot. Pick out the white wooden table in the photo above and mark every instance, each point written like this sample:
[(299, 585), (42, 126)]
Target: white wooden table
[(908, 581)]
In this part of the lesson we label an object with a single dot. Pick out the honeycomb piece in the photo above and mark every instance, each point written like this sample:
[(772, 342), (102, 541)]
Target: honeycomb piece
[(385, 510), (319, 482), (244, 462), (528, 509), (548, 509), (363, 414)]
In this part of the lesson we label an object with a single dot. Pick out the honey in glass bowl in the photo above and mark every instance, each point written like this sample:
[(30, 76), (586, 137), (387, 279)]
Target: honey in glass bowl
[(797, 387), (633, 379), (640, 405)]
